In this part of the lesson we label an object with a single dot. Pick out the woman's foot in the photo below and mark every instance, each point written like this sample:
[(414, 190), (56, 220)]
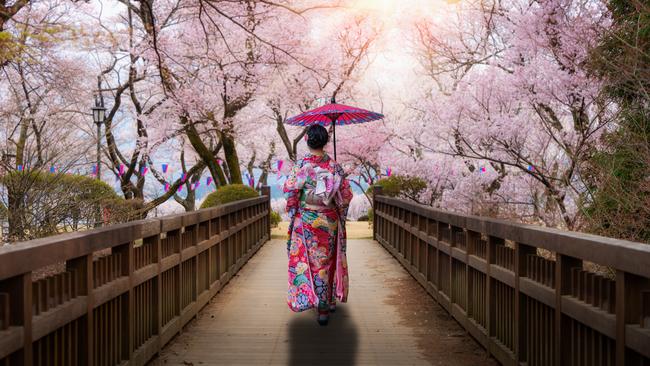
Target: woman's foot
[(323, 320), (323, 317)]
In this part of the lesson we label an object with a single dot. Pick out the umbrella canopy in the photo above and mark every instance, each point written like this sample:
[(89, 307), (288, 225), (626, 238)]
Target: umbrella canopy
[(336, 114)]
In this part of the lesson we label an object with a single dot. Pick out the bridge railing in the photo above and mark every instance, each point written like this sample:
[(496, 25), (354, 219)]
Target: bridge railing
[(119, 293), (528, 294)]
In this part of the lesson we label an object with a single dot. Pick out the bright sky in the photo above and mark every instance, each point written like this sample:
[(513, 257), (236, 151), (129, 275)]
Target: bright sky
[(393, 67)]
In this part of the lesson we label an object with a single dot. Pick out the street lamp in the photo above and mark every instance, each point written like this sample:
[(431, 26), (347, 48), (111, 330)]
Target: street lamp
[(99, 112)]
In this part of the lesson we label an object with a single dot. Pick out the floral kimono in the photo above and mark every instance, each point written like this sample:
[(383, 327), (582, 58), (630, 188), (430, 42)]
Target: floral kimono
[(318, 196)]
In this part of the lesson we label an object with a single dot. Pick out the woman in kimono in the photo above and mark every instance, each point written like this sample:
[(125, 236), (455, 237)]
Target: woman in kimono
[(318, 195)]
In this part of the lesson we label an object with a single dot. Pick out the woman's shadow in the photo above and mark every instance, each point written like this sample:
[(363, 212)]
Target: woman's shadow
[(334, 344)]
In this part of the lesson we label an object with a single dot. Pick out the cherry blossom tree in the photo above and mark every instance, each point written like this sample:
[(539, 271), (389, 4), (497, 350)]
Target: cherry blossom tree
[(42, 122), (512, 95), (501, 118)]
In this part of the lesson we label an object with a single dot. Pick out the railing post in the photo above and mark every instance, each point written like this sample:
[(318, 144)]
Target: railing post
[(453, 278), (629, 288), (266, 191), (489, 288), (376, 191), (158, 289), (128, 307), (437, 257), (522, 252), (563, 267), (470, 243), (621, 303), (19, 290), (84, 267)]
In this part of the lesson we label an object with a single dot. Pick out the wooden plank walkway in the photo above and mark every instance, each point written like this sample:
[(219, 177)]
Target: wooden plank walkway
[(389, 320)]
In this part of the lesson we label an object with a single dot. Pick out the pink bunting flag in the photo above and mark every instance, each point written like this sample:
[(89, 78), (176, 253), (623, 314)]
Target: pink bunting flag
[(183, 177), (208, 180), (94, 171), (197, 184), (144, 170), (121, 169), (389, 172), (280, 164), (166, 187), (482, 169), (531, 168), (180, 188)]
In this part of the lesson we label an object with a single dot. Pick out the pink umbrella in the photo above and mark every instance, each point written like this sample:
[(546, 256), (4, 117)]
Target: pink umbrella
[(336, 114)]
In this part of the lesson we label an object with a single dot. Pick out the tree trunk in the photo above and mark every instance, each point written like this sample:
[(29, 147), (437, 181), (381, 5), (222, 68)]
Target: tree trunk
[(205, 154), (15, 214), (189, 202), (266, 166), (22, 140), (15, 195), (232, 159)]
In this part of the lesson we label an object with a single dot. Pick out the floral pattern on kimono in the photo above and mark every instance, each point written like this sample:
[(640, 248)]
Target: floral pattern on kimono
[(318, 196)]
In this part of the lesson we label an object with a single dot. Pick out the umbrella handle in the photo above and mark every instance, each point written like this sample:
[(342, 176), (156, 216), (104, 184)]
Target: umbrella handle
[(334, 137)]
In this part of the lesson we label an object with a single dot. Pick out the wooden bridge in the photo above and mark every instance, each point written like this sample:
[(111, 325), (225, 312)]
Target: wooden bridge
[(190, 289)]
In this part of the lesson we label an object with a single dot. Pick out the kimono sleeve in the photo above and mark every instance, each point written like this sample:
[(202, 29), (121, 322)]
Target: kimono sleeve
[(292, 189), (345, 196)]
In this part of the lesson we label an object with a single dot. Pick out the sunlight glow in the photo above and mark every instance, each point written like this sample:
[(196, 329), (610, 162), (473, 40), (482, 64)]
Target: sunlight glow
[(384, 6), (397, 11), (392, 63)]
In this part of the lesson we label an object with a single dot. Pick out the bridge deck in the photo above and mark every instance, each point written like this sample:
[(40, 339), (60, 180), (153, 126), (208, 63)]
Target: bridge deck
[(389, 320)]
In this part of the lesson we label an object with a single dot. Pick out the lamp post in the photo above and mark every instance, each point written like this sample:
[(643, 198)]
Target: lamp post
[(99, 112)]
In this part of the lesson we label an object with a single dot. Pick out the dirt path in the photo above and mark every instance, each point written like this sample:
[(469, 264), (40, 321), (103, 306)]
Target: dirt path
[(355, 230), (389, 320)]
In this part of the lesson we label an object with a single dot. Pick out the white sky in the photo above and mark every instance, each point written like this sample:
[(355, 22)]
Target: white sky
[(393, 68)]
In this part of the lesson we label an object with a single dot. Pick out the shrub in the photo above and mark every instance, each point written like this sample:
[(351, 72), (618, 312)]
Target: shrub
[(363, 218), (229, 193), (401, 186), (275, 219), (121, 210), (371, 215), (42, 203)]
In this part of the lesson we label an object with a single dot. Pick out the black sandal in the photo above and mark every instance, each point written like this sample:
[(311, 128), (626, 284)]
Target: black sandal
[(323, 317)]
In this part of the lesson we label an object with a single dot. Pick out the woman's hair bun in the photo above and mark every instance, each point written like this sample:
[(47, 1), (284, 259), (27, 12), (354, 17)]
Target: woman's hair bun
[(317, 137)]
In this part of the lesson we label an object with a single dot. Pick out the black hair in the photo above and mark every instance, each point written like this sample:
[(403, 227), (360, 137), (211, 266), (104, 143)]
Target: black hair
[(317, 137)]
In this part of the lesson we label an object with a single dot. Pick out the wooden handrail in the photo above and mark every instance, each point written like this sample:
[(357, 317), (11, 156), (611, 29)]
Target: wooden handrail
[(120, 293), (621, 254), (530, 295)]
